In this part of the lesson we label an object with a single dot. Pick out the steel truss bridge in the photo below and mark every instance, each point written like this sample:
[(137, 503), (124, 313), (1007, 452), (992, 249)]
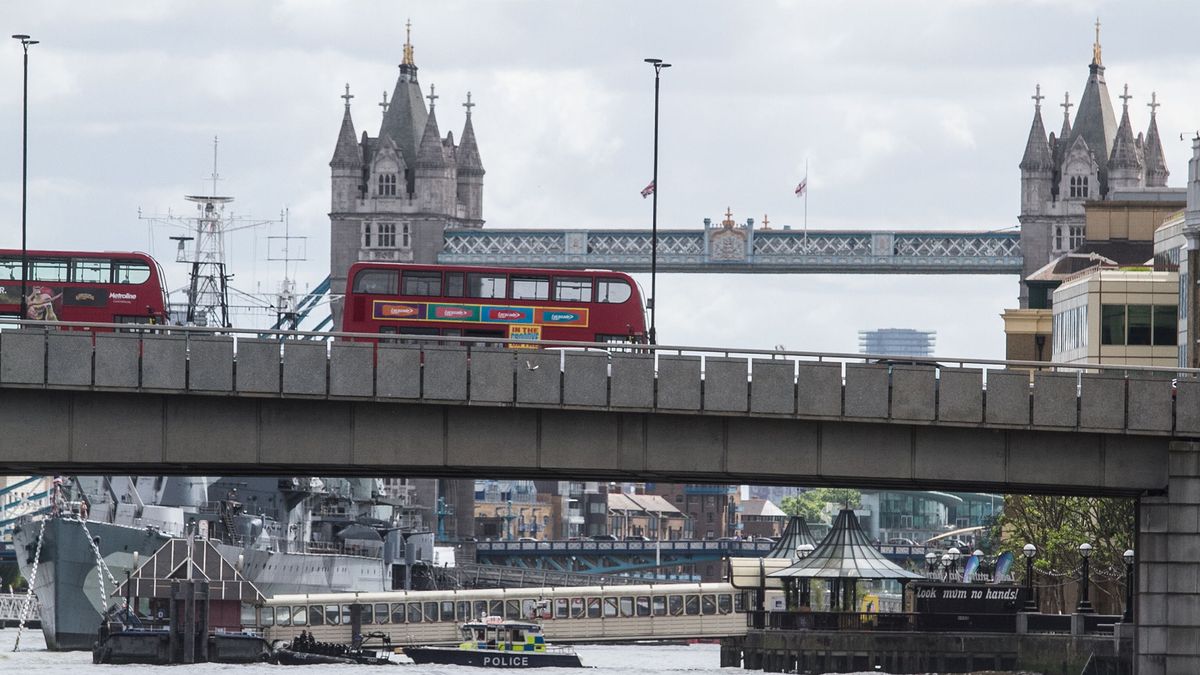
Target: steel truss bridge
[(741, 249), (618, 557)]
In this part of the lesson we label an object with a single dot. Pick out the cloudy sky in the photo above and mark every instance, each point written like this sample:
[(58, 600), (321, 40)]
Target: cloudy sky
[(910, 115)]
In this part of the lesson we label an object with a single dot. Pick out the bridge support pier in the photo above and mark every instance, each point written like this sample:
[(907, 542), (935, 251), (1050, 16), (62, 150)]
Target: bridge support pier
[(1167, 608)]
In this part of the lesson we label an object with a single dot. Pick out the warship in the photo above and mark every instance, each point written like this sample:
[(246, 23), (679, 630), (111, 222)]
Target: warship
[(287, 535)]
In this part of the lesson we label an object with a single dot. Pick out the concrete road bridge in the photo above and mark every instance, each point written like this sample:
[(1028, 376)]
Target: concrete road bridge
[(206, 401)]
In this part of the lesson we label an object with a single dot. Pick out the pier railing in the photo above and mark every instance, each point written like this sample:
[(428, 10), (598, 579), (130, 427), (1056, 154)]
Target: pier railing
[(929, 622)]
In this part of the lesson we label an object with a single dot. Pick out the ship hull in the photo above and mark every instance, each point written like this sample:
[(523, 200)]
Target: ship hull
[(68, 585)]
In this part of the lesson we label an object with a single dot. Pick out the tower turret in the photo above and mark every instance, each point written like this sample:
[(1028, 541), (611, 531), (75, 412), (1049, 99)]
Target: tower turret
[(404, 116), (435, 175), (470, 170), (1156, 172), (1095, 121), (1125, 162), (1037, 165), (346, 165)]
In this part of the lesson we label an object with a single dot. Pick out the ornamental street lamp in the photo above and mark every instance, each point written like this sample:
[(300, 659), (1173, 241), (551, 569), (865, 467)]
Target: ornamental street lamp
[(954, 554), (1085, 607), (1128, 556), (946, 567), (25, 44), (1030, 552), (931, 562), (658, 67)]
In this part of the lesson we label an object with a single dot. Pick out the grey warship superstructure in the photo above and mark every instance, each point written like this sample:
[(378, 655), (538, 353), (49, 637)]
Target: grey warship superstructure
[(288, 535)]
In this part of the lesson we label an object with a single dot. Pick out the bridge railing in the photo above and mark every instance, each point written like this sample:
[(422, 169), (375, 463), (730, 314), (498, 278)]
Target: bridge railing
[(665, 546), (676, 379)]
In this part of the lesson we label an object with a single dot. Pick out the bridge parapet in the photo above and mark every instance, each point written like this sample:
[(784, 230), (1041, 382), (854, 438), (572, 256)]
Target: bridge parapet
[(196, 395)]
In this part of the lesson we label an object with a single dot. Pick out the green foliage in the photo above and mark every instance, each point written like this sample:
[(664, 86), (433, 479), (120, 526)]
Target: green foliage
[(811, 503), (1057, 526)]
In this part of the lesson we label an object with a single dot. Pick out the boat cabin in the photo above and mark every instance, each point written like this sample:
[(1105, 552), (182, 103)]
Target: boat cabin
[(495, 632)]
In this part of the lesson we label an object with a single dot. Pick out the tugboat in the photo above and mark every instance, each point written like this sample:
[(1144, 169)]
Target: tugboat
[(496, 642), (305, 651)]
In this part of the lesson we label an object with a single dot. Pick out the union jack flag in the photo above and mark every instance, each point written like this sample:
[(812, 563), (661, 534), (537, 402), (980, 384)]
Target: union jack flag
[(648, 190)]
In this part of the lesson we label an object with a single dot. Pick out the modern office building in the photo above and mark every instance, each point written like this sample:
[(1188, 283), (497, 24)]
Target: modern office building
[(897, 342)]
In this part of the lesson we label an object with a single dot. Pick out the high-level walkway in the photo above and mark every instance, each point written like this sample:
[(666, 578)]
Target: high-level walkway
[(195, 400)]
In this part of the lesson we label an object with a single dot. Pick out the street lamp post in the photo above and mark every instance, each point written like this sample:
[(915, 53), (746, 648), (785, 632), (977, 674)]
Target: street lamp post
[(1085, 607), (1128, 557), (930, 563), (1030, 552), (954, 554), (946, 567), (25, 44), (658, 66)]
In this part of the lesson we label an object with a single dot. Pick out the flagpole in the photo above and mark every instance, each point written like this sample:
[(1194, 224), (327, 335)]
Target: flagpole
[(658, 66), (805, 206)]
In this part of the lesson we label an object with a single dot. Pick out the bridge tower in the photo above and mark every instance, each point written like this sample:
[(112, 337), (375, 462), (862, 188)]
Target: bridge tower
[(392, 195), (1091, 159)]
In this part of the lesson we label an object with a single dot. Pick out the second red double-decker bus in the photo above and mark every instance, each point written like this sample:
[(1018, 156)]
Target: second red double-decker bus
[(518, 304), (87, 286)]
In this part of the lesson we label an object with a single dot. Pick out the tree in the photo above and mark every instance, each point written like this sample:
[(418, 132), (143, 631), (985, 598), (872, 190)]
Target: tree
[(1057, 526), (810, 504)]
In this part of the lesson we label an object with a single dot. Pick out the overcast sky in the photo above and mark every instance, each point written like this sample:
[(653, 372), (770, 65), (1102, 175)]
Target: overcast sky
[(911, 115)]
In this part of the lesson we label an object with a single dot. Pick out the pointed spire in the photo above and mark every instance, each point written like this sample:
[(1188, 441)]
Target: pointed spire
[(1094, 119), (1124, 152), (1037, 149), (1156, 163), (431, 154), (1096, 46), (346, 153), (1066, 106), (408, 48), (469, 162)]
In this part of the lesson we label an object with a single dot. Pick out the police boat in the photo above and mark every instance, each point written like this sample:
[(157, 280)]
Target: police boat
[(496, 642)]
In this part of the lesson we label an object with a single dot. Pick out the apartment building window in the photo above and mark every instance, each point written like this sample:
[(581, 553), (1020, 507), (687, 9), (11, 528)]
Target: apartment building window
[(1139, 325)]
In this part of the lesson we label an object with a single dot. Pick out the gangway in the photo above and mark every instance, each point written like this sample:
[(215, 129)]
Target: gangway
[(11, 605)]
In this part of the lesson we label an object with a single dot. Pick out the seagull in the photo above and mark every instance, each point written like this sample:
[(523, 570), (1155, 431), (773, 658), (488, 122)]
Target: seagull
[(529, 366), (780, 348)]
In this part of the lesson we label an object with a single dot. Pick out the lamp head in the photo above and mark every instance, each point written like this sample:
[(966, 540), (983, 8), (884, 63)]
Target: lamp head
[(1029, 550), (1085, 549), (20, 37), (977, 553), (804, 549), (650, 61), (1128, 556), (930, 557), (946, 559), (954, 553)]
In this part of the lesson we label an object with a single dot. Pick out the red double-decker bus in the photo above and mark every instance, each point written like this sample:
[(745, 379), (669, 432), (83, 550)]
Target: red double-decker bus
[(98, 287), (518, 304)]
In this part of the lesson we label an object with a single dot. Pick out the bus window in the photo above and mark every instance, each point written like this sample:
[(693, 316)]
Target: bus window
[(573, 289), (577, 608), (708, 604), (92, 271), (675, 604), (512, 609), (283, 616), (267, 616), (376, 282), (431, 611), (613, 291), (397, 612), (381, 612), (10, 269), (454, 284), (130, 272), (487, 285), (610, 608), (593, 608), (316, 616), (724, 603), (692, 605), (447, 613), (626, 606), (299, 616), (530, 288), (464, 610), (560, 608), (659, 605), (414, 612), (643, 605), (422, 283), (47, 270)]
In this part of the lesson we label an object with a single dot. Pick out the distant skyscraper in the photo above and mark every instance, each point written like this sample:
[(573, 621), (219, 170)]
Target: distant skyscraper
[(897, 342)]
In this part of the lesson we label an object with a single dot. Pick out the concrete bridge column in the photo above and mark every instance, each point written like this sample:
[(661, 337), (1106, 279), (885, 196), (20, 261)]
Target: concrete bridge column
[(1168, 572)]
